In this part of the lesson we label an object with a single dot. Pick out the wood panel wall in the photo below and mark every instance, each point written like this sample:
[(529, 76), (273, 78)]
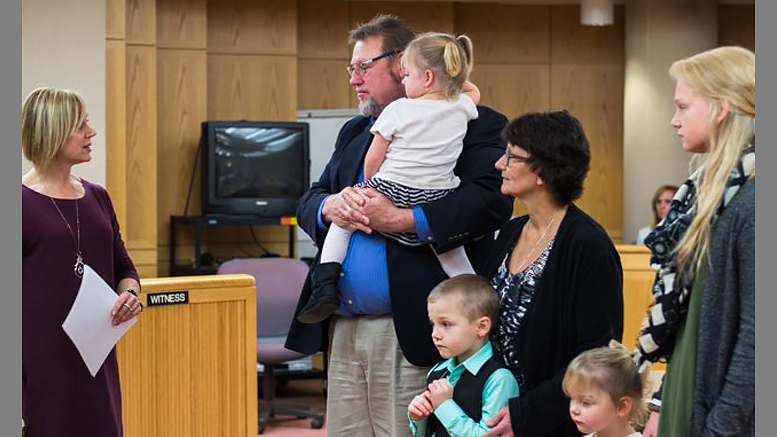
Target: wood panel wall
[(172, 64)]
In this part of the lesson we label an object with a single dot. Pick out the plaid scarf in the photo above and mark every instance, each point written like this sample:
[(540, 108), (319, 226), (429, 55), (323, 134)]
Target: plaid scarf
[(671, 291)]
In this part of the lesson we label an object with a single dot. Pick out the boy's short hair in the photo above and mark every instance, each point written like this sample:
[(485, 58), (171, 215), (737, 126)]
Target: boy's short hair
[(477, 297)]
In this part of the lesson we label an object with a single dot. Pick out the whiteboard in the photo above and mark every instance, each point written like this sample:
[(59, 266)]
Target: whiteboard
[(324, 127)]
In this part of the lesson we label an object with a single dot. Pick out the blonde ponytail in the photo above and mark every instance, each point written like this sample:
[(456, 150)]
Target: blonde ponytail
[(449, 57)]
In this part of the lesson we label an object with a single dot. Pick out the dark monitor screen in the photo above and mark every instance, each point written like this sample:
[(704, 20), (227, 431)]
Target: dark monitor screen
[(258, 161), (254, 167)]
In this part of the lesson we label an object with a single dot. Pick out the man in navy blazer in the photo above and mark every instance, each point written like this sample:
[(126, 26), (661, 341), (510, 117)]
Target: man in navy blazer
[(379, 340)]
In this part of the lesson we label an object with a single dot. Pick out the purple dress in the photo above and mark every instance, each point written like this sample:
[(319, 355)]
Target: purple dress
[(59, 396)]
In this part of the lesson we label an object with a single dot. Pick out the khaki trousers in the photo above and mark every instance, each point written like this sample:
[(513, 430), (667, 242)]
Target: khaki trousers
[(370, 383)]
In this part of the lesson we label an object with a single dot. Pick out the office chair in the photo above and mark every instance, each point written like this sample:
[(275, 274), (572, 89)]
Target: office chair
[(278, 284)]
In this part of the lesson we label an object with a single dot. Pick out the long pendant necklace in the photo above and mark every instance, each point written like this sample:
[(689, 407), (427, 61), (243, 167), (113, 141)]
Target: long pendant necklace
[(78, 267), (550, 225)]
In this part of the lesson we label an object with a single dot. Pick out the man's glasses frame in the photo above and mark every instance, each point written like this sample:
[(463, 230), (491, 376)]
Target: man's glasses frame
[(363, 66)]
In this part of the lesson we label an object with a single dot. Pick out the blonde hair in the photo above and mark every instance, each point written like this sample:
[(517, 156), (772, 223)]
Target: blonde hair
[(475, 294), (49, 117), (725, 75), (449, 57), (613, 370), (661, 190)]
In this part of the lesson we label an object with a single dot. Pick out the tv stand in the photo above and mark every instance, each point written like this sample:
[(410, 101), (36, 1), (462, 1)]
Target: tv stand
[(201, 221)]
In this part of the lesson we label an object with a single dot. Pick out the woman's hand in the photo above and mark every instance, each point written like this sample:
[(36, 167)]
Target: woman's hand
[(651, 427), (126, 307), (500, 424)]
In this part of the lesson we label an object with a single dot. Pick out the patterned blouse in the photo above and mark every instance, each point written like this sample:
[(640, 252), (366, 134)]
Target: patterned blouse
[(516, 292)]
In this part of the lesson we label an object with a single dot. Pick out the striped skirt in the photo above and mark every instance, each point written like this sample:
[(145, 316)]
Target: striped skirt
[(404, 197)]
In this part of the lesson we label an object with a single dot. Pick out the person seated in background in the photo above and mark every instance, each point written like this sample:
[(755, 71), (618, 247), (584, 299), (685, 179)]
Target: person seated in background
[(467, 389), (660, 205)]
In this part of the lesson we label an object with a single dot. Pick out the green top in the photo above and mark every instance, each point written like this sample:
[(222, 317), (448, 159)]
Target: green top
[(677, 392)]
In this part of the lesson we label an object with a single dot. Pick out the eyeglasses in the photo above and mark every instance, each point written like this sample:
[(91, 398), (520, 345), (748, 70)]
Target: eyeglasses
[(509, 156), (363, 66)]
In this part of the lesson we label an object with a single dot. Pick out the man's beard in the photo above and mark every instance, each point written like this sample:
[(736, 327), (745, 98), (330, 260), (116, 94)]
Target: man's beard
[(369, 108)]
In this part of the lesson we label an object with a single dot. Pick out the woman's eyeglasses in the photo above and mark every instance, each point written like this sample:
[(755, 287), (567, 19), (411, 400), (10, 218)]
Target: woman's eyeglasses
[(509, 156)]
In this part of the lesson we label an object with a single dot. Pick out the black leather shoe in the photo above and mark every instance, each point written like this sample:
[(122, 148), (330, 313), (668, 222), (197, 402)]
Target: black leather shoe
[(324, 298)]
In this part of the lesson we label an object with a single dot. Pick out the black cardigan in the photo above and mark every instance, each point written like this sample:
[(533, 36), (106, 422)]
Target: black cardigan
[(578, 305)]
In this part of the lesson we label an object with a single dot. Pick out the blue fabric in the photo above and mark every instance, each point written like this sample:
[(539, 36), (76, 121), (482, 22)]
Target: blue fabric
[(422, 228), (363, 284)]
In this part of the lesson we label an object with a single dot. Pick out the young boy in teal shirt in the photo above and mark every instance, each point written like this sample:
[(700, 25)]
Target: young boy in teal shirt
[(471, 386)]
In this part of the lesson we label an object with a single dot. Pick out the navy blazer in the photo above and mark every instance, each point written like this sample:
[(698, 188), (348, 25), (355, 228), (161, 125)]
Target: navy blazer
[(474, 209)]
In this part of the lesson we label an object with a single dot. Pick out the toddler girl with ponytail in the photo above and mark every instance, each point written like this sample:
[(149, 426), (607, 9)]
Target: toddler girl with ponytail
[(606, 390), (416, 143)]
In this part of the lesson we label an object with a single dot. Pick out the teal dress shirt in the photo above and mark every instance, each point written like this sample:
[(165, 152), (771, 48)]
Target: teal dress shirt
[(499, 388)]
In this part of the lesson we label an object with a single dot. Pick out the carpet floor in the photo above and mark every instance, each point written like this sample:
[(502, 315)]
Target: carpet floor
[(307, 392)]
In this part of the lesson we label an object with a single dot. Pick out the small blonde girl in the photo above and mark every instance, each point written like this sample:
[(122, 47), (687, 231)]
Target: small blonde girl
[(417, 141), (606, 392)]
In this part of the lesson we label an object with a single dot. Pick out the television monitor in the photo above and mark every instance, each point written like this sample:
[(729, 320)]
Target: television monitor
[(252, 167)]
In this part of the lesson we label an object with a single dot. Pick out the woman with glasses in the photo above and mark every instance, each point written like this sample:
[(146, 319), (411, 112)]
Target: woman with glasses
[(557, 273)]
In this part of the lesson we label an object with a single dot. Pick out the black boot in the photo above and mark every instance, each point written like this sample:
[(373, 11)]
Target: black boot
[(324, 298)]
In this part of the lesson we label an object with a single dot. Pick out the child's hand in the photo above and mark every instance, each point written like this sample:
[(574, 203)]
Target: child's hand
[(441, 390), (420, 407)]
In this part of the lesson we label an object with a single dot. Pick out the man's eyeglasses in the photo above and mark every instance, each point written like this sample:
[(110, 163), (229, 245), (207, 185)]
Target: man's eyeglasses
[(509, 156), (363, 66)]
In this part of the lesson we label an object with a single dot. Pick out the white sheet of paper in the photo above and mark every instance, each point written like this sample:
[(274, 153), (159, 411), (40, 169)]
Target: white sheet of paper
[(88, 324)]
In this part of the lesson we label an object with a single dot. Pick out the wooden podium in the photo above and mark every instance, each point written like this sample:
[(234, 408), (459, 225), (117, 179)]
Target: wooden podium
[(638, 280), (188, 369), (637, 283)]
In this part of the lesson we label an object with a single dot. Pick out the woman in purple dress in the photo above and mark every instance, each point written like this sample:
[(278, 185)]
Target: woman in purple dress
[(67, 223)]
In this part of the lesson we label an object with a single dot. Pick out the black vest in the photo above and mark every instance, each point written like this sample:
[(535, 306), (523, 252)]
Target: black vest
[(468, 394)]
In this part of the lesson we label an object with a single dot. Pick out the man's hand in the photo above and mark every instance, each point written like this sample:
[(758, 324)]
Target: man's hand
[(382, 215), (500, 424), (420, 406), (440, 390), (346, 210)]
